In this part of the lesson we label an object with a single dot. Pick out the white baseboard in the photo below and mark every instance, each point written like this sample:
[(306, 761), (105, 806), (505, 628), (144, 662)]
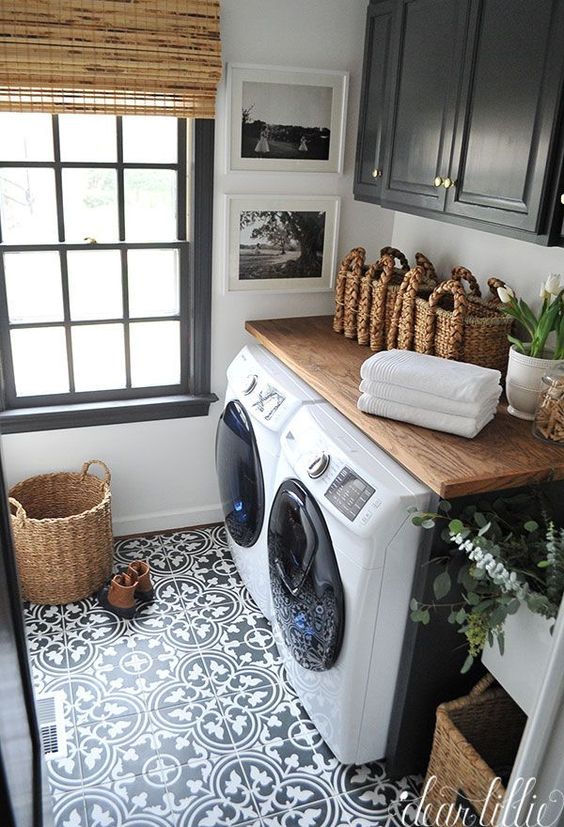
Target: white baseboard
[(164, 520)]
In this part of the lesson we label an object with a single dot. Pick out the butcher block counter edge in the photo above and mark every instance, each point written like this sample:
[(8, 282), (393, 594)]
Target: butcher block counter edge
[(503, 455)]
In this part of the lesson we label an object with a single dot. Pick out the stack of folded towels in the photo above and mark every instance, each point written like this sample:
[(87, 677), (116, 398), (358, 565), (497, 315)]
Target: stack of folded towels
[(455, 397)]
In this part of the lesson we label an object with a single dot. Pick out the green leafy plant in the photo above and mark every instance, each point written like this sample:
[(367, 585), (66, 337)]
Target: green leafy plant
[(538, 327), (509, 558)]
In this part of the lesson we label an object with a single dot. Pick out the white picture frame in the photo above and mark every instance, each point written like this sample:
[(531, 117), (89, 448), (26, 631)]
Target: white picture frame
[(265, 247), (276, 99)]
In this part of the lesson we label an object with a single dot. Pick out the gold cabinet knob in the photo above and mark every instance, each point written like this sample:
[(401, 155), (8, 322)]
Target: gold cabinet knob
[(376, 173), (448, 183), (438, 182)]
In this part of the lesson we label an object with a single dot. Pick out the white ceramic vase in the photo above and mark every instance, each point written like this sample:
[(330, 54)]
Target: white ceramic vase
[(524, 382), (520, 670)]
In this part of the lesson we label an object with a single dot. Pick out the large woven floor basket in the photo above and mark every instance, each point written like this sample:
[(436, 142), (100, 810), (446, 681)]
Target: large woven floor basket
[(62, 527), (474, 748)]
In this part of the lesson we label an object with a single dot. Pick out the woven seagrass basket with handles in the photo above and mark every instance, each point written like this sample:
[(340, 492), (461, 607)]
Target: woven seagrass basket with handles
[(475, 743), (347, 290), (453, 322), (388, 288), (382, 271), (365, 295), (62, 527), (354, 289)]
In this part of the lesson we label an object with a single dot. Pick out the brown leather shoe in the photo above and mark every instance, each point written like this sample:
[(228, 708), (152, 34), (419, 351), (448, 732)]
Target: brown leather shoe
[(140, 569), (118, 596)]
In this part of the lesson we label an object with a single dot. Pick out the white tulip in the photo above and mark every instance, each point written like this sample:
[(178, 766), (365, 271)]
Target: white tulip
[(552, 284), (542, 292), (505, 294)]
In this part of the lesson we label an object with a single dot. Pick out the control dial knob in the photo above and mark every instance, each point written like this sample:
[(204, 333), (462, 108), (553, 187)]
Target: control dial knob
[(318, 465), (249, 384)]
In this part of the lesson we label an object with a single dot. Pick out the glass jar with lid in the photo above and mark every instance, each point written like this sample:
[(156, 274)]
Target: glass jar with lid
[(549, 416)]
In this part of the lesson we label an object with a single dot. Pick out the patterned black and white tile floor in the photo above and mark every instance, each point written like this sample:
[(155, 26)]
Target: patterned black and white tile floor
[(182, 716)]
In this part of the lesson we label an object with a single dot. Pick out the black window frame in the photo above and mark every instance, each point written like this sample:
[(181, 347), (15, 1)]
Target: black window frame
[(193, 396)]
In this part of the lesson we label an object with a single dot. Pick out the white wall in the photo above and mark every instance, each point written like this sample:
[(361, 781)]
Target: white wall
[(521, 264), (163, 475)]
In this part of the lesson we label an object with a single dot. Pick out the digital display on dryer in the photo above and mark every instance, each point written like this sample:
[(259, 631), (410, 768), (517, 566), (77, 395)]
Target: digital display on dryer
[(349, 493)]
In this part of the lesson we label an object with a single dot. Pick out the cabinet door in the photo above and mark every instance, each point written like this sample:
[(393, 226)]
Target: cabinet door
[(373, 102), (430, 38), (510, 111)]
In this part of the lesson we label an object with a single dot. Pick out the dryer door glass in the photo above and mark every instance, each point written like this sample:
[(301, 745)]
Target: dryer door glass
[(239, 473), (298, 541), (307, 591)]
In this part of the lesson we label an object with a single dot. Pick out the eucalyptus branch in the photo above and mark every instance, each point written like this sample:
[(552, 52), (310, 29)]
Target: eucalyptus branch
[(510, 561)]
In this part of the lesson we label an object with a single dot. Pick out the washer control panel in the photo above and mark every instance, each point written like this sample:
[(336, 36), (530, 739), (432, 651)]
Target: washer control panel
[(335, 482), (349, 493), (270, 393), (269, 400)]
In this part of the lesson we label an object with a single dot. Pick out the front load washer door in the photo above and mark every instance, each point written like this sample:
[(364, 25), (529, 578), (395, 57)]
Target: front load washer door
[(239, 474), (307, 592)]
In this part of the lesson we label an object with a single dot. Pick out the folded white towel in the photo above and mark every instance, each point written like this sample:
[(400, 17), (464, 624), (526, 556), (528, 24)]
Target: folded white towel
[(462, 425), (458, 381), (431, 401)]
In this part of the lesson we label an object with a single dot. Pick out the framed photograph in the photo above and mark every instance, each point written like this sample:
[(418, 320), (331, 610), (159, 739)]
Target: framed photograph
[(286, 119), (281, 243)]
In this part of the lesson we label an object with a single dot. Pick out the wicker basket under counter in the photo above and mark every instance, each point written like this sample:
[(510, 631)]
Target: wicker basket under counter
[(476, 741)]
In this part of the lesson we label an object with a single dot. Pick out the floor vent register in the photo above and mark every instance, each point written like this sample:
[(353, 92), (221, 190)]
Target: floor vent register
[(51, 720)]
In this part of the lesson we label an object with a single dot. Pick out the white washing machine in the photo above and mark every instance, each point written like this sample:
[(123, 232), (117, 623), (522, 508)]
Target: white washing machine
[(262, 395), (342, 551)]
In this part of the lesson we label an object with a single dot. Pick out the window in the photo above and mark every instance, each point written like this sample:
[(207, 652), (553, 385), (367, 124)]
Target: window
[(104, 300)]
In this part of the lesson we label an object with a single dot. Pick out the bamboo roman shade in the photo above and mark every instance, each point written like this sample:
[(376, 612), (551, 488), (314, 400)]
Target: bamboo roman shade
[(160, 57)]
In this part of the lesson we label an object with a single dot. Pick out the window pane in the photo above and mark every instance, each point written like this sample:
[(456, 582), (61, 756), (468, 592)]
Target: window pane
[(99, 357), (95, 289), (90, 202), (26, 137), (88, 137), (28, 211), (155, 353), (153, 282), (34, 288), (150, 204), (148, 139), (40, 361)]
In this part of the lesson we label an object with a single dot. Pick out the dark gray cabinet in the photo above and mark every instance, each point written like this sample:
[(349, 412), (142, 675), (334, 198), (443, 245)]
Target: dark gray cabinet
[(374, 100), (469, 110), (509, 116), (426, 75)]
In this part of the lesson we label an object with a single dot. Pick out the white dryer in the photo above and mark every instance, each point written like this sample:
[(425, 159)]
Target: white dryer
[(262, 395), (342, 551)]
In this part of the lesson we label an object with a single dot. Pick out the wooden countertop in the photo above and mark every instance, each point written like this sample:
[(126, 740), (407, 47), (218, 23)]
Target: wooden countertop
[(503, 455)]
